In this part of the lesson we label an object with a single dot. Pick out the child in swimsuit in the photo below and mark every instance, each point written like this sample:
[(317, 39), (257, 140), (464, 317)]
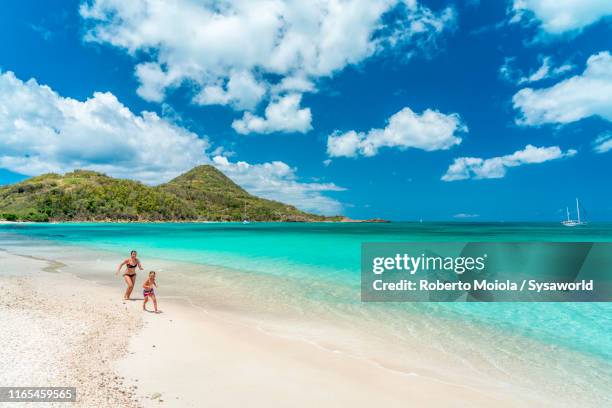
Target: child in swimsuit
[(148, 291)]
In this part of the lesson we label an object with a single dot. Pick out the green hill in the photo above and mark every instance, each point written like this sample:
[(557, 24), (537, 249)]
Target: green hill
[(201, 194)]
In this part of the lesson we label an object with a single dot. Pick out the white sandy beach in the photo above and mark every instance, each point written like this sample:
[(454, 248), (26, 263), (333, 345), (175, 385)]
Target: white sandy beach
[(60, 330), (64, 331)]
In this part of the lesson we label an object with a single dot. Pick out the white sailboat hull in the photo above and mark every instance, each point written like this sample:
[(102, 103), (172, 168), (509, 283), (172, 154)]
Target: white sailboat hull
[(573, 223)]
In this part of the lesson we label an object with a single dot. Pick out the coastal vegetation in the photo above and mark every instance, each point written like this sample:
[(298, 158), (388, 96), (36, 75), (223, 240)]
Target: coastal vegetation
[(202, 194)]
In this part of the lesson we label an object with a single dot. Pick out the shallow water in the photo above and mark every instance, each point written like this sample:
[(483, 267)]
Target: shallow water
[(302, 273)]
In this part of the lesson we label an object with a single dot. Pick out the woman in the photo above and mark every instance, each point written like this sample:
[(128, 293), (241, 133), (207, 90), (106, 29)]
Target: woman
[(130, 273)]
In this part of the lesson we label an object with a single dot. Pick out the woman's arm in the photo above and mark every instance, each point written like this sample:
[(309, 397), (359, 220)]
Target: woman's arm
[(120, 266), (139, 265)]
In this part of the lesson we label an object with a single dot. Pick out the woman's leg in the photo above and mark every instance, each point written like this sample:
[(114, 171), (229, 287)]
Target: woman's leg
[(130, 286), (133, 280)]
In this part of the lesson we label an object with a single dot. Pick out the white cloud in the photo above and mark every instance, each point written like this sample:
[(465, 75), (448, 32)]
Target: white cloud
[(603, 143), (420, 28), (575, 98), (465, 215), (562, 16), (278, 45), (242, 91), (44, 32), (507, 72), (222, 151), (41, 131), (153, 81), (428, 131), (294, 84), (277, 181), (496, 167), (546, 71), (281, 115), (539, 74)]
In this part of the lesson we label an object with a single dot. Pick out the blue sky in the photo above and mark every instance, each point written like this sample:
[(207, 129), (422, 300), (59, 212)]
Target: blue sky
[(440, 110)]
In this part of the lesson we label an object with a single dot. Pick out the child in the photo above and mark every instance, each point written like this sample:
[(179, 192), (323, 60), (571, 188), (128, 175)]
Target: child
[(148, 291)]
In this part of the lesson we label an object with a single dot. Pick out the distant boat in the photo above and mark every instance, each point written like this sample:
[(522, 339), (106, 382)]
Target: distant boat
[(573, 223), (244, 215)]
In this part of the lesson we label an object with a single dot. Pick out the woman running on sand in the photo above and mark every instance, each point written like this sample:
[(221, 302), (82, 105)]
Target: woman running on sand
[(130, 273)]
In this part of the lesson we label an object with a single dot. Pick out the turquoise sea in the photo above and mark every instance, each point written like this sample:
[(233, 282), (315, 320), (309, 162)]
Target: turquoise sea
[(295, 268)]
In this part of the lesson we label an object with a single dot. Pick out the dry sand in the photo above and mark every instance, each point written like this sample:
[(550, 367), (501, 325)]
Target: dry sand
[(63, 331)]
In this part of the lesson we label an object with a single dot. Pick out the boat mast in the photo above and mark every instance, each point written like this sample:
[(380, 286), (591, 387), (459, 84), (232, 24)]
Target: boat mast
[(567, 211), (578, 210)]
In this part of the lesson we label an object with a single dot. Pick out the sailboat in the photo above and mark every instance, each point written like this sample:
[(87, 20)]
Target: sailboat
[(244, 215), (573, 223)]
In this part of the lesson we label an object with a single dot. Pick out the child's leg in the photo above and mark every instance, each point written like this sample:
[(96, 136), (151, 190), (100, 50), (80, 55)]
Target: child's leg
[(144, 304), (154, 298)]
